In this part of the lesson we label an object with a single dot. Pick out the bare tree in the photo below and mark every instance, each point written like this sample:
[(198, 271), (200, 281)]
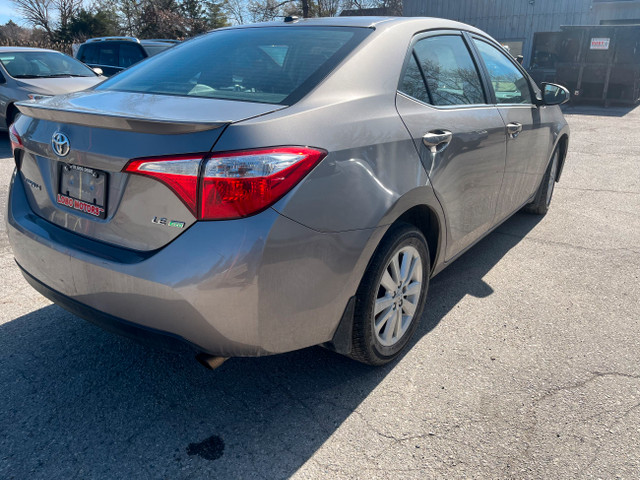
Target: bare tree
[(328, 8), (394, 7), (37, 13), (67, 9), (162, 19), (236, 11), (13, 34), (265, 10)]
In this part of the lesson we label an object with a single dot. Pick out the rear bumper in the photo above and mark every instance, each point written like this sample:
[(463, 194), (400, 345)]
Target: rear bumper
[(254, 286), (108, 322)]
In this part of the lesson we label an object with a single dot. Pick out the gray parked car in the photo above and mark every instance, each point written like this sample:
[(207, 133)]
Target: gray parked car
[(36, 73), (298, 185)]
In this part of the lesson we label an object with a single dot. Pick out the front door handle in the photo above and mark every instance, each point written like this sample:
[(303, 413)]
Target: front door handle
[(437, 140), (514, 129)]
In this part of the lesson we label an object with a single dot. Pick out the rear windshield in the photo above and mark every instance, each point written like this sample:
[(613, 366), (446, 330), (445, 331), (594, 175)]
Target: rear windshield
[(269, 64)]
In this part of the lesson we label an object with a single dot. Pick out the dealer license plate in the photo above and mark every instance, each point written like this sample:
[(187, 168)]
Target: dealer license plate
[(83, 189)]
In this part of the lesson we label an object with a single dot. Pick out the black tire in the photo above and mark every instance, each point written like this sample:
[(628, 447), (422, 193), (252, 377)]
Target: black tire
[(542, 200), (366, 347)]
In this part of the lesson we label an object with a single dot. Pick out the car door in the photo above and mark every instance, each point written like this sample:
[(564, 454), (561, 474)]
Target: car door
[(460, 138), (528, 139)]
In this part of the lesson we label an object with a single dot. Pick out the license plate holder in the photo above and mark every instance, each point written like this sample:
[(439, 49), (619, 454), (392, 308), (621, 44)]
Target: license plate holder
[(83, 189)]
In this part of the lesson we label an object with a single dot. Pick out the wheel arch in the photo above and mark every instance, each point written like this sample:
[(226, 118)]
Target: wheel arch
[(563, 147), (420, 208), (426, 220), (10, 114)]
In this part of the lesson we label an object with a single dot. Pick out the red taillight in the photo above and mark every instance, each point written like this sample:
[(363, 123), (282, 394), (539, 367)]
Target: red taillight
[(14, 138), (234, 184), (179, 173), (240, 184)]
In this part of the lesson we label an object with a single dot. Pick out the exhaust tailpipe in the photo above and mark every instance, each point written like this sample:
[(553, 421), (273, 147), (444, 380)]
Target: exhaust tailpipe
[(210, 361)]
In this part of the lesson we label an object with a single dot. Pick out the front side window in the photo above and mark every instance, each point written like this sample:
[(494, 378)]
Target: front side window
[(269, 65), (509, 84), (451, 76)]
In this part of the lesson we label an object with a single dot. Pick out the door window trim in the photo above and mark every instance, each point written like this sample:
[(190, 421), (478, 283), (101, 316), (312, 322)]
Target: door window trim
[(488, 94)]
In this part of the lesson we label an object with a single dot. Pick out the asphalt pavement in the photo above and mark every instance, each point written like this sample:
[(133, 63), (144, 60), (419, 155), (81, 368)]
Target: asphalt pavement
[(526, 365)]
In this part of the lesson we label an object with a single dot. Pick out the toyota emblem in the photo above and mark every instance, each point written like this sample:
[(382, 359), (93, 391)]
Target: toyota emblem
[(60, 144)]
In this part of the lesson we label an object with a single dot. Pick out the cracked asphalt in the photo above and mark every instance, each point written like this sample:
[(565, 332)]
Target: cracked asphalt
[(526, 365)]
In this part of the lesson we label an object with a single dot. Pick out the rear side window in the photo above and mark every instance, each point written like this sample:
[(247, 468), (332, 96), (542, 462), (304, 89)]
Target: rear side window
[(269, 65), (130, 53), (450, 74), (413, 82), (509, 84), (88, 53)]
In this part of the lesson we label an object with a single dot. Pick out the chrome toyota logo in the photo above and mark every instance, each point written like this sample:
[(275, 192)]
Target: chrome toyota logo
[(60, 144)]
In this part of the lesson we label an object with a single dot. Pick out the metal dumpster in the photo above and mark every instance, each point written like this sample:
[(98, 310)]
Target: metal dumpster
[(596, 63)]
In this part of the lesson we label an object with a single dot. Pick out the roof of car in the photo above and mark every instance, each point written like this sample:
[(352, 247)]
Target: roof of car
[(25, 49), (425, 23), (148, 41)]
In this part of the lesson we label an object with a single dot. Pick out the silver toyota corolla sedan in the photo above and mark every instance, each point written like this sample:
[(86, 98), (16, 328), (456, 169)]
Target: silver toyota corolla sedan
[(266, 188), (36, 73)]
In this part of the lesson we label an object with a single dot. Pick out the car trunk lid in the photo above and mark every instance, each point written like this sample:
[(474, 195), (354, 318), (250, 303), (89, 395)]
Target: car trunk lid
[(76, 146)]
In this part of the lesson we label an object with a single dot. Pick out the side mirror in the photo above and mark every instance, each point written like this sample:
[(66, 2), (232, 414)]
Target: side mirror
[(98, 70), (553, 94)]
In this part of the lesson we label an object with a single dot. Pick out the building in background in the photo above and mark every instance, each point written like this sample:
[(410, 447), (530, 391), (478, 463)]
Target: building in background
[(515, 22)]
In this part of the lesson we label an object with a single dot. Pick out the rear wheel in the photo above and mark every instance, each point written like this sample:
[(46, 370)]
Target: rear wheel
[(391, 296), (542, 200)]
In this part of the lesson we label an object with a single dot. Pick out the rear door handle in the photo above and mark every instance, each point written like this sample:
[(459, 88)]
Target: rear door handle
[(437, 140), (514, 129)]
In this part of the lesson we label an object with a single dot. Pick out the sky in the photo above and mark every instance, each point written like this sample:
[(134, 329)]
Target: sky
[(8, 12)]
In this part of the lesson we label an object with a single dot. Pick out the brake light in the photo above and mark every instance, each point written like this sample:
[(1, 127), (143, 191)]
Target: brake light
[(14, 138), (229, 185), (240, 184), (179, 173)]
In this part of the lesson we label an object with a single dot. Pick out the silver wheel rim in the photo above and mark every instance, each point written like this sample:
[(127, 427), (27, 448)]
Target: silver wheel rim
[(552, 177), (398, 296)]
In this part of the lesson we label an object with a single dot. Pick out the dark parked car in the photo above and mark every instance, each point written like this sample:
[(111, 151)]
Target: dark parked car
[(299, 184), (113, 54)]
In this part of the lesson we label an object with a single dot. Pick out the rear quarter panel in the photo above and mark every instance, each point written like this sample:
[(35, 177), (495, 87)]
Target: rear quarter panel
[(371, 160), (553, 119)]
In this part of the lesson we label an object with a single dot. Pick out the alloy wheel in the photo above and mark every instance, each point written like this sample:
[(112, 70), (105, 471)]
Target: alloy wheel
[(398, 296)]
